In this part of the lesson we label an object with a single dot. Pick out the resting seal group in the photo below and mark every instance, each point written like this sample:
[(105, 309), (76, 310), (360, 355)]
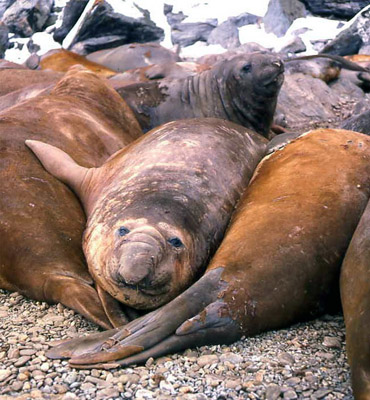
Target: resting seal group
[(201, 221)]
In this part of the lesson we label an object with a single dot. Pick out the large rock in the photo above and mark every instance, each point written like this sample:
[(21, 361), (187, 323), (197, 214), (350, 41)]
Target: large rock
[(244, 19), (352, 39), (188, 33), (4, 41), (342, 9), (225, 34), (71, 13), (173, 18), (24, 17), (280, 15), (4, 5), (103, 28)]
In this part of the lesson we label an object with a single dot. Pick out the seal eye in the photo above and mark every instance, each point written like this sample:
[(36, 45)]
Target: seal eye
[(175, 242), (122, 231), (247, 67)]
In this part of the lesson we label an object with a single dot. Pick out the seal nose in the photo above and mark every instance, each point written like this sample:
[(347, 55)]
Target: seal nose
[(137, 262)]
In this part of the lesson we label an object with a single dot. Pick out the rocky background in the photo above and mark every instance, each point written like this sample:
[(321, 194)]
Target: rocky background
[(305, 361)]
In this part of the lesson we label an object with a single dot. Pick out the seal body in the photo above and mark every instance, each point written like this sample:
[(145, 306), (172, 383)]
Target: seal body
[(158, 209), (242, 89), (61, 60), (278, 263), (41, 221), (355, 294), (134, 55)]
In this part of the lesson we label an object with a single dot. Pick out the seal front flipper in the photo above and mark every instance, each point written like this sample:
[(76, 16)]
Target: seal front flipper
[(149, 331), (78, 295), (355, 294)]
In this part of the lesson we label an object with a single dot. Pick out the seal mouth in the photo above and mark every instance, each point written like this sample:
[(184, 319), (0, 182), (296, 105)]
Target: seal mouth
[(147, 289)]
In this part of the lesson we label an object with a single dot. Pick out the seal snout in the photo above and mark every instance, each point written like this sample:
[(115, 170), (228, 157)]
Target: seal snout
[(138, 258)]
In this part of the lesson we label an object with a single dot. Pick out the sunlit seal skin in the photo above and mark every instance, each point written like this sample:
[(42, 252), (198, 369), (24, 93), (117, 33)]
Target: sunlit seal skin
[(41, 220), (15, 79), (243, 90), (158, 209), (61, 60), (355, 294), (279, 262)]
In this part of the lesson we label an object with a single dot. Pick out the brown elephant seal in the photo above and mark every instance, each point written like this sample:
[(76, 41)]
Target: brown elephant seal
[(16, 79), (355, 294), (61, 60), (242, 89), (41, 220), (134, 55), (158, 209), (278, 264)]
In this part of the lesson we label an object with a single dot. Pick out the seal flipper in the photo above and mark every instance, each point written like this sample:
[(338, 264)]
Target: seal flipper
[(60, 164), (78, 295), (355, 294), (112, 308), (148, 331)]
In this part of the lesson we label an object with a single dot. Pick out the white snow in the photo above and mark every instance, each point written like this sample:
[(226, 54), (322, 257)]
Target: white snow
[(316, 29)]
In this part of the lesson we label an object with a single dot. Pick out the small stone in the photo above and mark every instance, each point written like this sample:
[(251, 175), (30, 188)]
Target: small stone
[(166, 387), (61, 389), (273, 391), (332, 342), (107, 393), (145, 394), (286, 359), (4, 374), (70, 378), (149, 362), (22, 377), (45, 367), (290, 395), (293, 381), (321, 393), (231, 357), (131, 378), (17, 385), (27, 352), (232, 383), (21, 361), (207, 360), (69, 396)]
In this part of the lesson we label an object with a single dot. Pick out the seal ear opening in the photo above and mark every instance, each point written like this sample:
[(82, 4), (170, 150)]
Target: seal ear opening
[(59, 164)]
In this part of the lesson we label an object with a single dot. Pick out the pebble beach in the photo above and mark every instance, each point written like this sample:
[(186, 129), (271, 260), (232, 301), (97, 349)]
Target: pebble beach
[(306, 361)]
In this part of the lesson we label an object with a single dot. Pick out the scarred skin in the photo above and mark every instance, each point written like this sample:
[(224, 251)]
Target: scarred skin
[(158, 209), (41, 220), (279, 262), (355, 294), (243, 90)]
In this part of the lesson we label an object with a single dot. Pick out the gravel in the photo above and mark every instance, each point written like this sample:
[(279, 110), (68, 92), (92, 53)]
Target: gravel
[(306, 361)]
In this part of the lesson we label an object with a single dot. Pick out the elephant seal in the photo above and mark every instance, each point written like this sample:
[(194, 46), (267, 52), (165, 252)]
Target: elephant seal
[(242, 89), (158, 209), (278, 263), (15, 79), (134, 55), (61, 60), (355, 294), (41, 220)]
